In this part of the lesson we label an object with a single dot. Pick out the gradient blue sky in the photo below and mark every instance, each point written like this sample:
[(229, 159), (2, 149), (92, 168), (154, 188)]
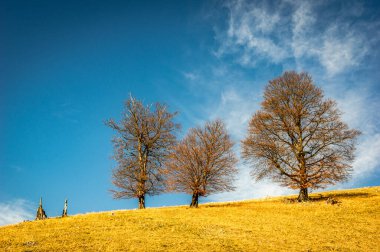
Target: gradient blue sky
[(67, 66)]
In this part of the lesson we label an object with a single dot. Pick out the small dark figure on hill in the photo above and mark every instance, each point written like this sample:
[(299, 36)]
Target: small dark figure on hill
[(41, 215), (332, 201), (64, 212)]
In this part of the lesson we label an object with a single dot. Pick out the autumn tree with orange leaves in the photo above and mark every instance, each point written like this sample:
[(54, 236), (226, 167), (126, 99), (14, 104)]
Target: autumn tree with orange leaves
[(297, 138), (145, 136), (203, 162)]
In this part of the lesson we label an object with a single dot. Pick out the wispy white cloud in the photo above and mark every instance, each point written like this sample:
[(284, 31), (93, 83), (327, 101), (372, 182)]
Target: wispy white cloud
[(361, 112), (250, 33), (367, 159), (294, 30), (235, 110), (15, 211), (66, 111), (341, 51), (190, 76)]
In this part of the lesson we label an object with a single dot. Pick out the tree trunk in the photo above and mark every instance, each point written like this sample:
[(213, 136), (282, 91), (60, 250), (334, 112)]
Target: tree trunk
[(194, 200), (142, 202), (303, 195)]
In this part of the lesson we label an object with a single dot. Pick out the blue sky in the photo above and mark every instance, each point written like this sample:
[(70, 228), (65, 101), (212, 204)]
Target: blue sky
[(67, 66)]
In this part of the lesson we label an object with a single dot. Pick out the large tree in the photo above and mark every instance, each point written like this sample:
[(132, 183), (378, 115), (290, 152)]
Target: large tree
[(297, 138), (145, 135), (203, 162)]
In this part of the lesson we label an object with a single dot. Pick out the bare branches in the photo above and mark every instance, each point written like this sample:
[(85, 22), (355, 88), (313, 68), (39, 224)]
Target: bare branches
[(298, 138), (203, 162), (145, 135)]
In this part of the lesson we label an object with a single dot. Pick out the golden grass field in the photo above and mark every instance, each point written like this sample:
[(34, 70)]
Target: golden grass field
[(270, 224)]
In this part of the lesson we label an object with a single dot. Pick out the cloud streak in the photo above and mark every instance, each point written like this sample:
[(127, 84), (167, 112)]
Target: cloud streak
[(296, 31), (15, 211)]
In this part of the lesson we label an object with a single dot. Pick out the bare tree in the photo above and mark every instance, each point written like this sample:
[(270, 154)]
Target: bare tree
[(297, 138), (203, 162), (145, 135)]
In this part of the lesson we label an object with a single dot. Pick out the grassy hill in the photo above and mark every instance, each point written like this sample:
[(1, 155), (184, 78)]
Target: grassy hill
[(273, 224)]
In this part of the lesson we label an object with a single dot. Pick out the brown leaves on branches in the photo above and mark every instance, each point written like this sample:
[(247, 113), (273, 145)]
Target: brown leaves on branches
[(145, 135), (297, 138), (203, 162)]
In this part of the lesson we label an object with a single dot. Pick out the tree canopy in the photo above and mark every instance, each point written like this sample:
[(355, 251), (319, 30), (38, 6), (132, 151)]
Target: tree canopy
[(145, 135), (203, 162), (297, 138)]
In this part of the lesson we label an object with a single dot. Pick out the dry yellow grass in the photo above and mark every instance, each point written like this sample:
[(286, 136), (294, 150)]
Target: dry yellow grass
[(257, 225)]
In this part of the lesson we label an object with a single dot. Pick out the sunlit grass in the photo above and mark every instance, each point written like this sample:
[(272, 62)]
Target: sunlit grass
[(257, 225)]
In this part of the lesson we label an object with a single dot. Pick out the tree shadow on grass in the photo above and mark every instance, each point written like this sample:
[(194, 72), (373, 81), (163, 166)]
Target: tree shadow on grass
[(229, 204), (340, 195), (316, 197)]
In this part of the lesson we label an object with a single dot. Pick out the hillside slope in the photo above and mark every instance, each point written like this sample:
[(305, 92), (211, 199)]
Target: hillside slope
[(258, 225)]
